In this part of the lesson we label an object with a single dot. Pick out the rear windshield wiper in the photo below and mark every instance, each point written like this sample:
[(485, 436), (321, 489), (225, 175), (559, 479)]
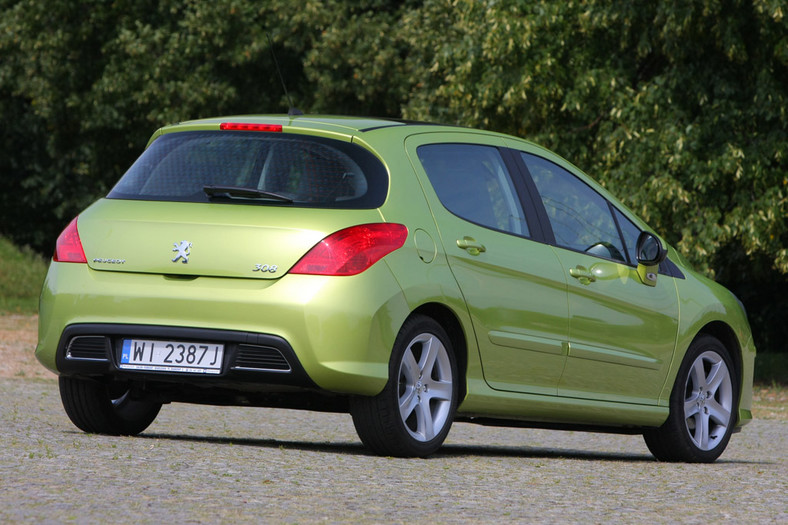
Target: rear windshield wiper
[(239, 192)]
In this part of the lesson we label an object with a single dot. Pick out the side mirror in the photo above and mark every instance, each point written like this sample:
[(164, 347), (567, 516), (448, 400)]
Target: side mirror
[(650, 252)]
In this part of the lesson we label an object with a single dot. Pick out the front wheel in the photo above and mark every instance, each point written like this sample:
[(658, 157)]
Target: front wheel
[(99, 408), (702, 406), (414, 412)]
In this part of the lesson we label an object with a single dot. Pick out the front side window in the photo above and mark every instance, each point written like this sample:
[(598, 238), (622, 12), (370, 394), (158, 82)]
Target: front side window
[(473, 183), (580, 217), (304, 171)]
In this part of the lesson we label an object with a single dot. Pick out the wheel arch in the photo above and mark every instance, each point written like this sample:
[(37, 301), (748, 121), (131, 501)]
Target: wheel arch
[(725, 334), (444, 316)]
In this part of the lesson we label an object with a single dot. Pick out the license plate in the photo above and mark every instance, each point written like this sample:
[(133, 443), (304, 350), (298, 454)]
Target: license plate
[(172, 356)]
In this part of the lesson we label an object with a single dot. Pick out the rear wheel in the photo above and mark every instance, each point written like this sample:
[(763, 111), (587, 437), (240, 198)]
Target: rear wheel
[(98, 408), (414, 412), (702, 406)]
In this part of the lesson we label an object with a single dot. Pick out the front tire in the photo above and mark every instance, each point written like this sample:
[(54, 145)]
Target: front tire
[(703, 406), (97, 408), (413, 414)]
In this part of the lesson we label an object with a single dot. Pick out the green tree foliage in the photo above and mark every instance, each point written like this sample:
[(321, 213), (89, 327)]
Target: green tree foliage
[(678, 107), (84, 84)]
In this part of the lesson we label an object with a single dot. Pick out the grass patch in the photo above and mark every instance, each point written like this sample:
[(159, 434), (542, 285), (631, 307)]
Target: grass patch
[(770, 402), (22, 273)]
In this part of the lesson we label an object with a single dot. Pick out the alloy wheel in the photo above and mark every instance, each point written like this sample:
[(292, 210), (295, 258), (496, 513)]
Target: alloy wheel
[(425, 387), (708, 400)]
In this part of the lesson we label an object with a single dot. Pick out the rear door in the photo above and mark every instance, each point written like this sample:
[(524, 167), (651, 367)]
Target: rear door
[(512, 284)]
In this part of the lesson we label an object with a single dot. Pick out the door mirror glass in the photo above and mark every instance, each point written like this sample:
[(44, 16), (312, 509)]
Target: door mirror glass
[(650, 251)]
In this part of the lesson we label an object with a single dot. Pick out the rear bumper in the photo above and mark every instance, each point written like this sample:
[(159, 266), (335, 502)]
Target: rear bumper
[(336, 334)]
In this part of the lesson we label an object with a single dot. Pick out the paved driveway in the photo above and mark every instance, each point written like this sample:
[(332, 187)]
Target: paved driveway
[(211, 464)]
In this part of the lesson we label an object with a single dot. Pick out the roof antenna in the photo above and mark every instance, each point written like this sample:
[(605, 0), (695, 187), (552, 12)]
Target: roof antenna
[(293, 111)]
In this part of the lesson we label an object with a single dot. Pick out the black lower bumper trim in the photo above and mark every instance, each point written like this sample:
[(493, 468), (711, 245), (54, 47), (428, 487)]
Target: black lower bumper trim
[(249, 358)]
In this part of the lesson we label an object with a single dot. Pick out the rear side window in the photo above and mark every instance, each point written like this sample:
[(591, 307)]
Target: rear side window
[(473, 183), (302, 170)]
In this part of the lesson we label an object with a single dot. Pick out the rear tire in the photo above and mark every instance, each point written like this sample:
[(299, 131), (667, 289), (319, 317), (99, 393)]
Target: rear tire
[(703, 406), (96, 408), (413, 414)]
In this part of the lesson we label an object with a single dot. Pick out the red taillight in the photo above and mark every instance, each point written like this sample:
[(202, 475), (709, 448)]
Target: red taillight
[(352, 250), (244, 126), (69, 246)]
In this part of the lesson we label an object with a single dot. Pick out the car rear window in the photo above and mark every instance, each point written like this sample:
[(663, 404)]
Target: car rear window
[(303, 170)]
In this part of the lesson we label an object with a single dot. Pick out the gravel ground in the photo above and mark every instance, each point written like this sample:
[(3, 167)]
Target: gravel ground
[(219, 465)]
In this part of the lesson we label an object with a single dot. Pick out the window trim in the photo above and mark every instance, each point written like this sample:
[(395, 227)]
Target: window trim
[(530, 201), (620, 230)]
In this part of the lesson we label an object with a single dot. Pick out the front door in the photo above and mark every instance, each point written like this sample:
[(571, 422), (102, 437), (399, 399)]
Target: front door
[(622, 333)]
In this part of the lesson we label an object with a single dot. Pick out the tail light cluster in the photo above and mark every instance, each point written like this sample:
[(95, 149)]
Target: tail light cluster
[(69, 247), (352, 250)]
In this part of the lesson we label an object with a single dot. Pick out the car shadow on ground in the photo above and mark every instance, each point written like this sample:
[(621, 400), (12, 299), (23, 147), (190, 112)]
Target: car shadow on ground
[(448, 450), (459, 450)]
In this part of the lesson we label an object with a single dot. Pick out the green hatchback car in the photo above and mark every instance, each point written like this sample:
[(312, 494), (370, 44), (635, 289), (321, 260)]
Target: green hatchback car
[(410, 274)]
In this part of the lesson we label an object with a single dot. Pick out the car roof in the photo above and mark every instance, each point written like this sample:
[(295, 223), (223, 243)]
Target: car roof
[(332, 124)]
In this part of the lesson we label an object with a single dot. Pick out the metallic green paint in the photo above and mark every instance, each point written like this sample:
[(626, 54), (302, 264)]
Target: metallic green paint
[(622, 333), (521, 344), (707, 307), (648, 274), (227, 240), (342, 345)]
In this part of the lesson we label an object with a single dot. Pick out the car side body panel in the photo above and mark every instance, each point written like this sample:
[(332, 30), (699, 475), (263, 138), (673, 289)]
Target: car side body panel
[(622, 332), (707, 307), (514, 289)]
